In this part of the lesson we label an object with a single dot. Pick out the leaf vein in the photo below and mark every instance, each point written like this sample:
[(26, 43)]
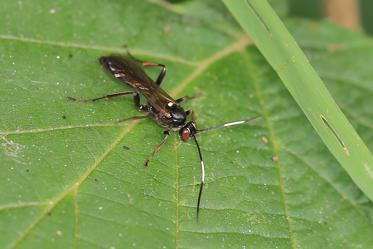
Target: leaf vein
[(99, 48), (276, 149), (76, 213), (74, 185), (121, 224), (21, 205), (345, 198)]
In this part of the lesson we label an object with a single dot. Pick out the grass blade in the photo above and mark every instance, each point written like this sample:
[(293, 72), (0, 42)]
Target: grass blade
[(282, 52)]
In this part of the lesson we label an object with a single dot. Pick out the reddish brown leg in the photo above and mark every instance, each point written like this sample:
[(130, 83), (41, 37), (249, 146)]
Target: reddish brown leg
[(162, 73), (157, 148), (106, 97)]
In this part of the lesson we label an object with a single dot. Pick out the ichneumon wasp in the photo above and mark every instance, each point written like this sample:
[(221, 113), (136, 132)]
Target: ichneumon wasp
[(160, 106)]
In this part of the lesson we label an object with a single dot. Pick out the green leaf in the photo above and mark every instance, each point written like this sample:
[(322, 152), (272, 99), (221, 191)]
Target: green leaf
[(66, 180)]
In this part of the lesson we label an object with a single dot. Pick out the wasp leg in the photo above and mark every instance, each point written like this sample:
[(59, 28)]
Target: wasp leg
[(161, 74), (140, 107), (149, 64), (106, 97), (157, 148), (125, 46), (132, 118), (184, 98), (188, 112)]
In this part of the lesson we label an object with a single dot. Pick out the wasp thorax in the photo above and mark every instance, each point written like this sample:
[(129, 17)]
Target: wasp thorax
[(178, 115)]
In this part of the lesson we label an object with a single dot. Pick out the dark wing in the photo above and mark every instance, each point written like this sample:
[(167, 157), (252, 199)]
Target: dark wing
[(131, 72), (127, 70)]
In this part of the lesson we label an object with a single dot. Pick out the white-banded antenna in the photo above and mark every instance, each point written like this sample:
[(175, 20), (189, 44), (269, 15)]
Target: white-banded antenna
[(202, 176), (229, 124)]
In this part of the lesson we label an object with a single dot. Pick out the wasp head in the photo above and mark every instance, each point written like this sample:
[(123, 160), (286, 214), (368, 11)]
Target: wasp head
[(188, 131)]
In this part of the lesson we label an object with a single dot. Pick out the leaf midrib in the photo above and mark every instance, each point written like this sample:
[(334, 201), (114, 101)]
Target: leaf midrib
[(276, 149)]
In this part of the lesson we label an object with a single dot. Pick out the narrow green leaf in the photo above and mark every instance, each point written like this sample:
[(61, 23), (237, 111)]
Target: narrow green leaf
[(282, 52)]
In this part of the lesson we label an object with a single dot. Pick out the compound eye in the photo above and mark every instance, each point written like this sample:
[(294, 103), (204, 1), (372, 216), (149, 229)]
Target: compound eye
[(185, 134)]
